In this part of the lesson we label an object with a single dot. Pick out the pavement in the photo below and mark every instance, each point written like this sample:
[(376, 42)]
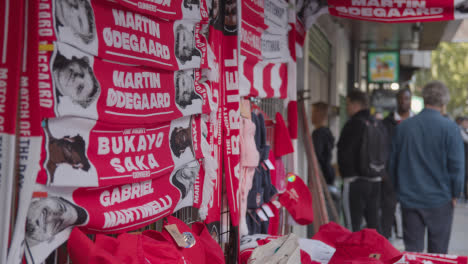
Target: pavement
[(459, 238)]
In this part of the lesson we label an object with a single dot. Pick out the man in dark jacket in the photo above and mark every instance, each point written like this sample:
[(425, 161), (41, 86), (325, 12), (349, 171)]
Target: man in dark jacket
[(360, 194), (388, 197)]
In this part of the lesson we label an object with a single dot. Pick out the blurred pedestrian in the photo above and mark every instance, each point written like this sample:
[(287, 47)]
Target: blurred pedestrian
[(388, 197), (427, 168), (463, 124), (323, 139), (362, 157)]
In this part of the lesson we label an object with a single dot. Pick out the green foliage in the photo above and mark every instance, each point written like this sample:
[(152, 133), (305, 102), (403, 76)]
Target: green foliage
[(449, 65)]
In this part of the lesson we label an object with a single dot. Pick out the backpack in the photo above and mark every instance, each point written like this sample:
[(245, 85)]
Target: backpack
[(374, 152)]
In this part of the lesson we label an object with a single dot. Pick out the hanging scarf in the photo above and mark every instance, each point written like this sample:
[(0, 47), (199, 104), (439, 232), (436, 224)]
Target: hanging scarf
[(113, 32), (10, 65), (113, 209), (82, 152), (30, 139), (114, 92), (171, 9)]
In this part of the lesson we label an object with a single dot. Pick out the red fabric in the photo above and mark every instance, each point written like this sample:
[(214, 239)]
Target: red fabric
[(298, 200), (331, 233), (197, 252), (362, 246), (213, 251), (126, 249), (305, 258), (151, 247), (292, 119), (283, 143), (273, 227)]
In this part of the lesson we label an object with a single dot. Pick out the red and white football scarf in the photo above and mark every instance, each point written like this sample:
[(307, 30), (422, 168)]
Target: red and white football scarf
[(231, 110), (11, 47), (264, 49), (171, 9), (54, 211), (111, 31), (82, 152), (116, 93), (29, 132)]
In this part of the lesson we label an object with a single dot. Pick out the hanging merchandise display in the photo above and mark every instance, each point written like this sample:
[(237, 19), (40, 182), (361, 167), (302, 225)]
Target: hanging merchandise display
[(11, 44), (249, 160), (112, 92), (262, 190), (110, 31), (128, 111), (146, 159)]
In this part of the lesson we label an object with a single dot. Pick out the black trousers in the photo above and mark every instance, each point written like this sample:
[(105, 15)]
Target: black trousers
[(438, 222), (361, 199), (388, 206)]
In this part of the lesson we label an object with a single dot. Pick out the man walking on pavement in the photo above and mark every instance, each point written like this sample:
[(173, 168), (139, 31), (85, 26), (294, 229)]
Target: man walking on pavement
[(427, 167), (359, 146), (388, 196)]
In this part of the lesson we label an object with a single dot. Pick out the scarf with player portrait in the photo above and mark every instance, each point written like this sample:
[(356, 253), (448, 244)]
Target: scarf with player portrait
[(74, 83), (110, 31)]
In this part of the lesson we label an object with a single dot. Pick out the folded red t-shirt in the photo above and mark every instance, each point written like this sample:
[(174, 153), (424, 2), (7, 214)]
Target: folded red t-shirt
[(365, 245)]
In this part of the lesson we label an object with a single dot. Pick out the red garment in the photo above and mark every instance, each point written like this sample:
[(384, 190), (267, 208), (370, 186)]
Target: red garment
[(331, 233), (365, 245), (196, 253), (292, 118), (213, 251), (283, 143), (273, 227), (298, 200), (150, 247), (126, 249)]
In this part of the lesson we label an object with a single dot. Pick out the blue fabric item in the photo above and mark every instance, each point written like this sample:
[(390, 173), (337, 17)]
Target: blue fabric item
[(427, 160)]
